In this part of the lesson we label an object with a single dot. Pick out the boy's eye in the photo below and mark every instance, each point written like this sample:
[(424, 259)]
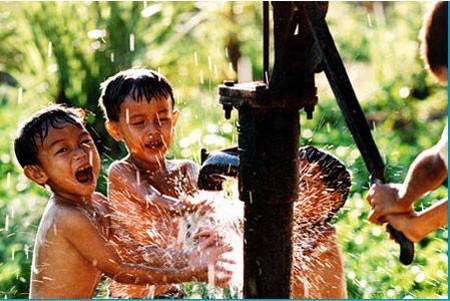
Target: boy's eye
[(139, 122), (62, 150), (162, 120)]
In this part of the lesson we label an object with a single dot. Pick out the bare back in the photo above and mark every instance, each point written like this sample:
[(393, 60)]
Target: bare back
[(58, 269)]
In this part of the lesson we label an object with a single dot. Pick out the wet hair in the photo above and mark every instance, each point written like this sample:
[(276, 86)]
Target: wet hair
[(36, 129), (434, 36), (138, 83)]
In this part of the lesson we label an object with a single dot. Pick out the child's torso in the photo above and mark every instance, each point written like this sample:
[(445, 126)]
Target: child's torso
[(58, 270), (148, 224)]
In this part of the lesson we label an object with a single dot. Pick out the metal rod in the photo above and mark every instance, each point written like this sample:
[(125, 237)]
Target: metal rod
[(268, 184), (266, 41), (353, 114)]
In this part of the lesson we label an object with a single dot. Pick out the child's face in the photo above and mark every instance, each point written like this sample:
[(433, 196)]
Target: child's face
[(146, 128), (70, 161)]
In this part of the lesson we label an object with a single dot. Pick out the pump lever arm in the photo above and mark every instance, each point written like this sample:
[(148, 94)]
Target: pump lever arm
[(351, 109)]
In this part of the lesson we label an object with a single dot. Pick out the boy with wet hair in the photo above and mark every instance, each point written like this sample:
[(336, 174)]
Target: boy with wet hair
[(392, 203), (147, 192), (71, 251)]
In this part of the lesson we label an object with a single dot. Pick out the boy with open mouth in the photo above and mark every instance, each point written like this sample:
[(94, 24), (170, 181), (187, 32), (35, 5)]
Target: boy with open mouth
[(71, 251), (147, 192)]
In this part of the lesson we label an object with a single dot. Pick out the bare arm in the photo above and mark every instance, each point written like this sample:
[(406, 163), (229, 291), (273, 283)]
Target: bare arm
[(84, 236), (426, 173), (418, 225)]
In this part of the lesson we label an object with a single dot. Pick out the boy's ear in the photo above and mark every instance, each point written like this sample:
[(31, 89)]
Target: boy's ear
[(35, 174), (175, 115), (113, 130)]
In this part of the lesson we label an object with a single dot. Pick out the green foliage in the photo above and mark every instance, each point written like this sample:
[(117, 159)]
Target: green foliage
[(195, 45)]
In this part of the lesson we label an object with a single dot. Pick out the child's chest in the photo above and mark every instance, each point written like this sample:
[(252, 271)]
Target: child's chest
[(175, 183)]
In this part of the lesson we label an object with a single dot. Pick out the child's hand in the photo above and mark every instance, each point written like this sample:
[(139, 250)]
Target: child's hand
[(384, 199), (406, 223), (208, 253)]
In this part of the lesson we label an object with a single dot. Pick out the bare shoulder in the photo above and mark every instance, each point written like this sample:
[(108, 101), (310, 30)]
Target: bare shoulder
[(120, 170), (71, 219), (118, 167)]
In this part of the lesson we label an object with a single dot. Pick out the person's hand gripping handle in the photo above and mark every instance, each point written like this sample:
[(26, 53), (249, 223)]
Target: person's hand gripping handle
[(406, 246)]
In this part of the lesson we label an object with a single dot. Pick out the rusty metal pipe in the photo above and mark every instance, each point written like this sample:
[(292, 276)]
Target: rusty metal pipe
[(268, 184)]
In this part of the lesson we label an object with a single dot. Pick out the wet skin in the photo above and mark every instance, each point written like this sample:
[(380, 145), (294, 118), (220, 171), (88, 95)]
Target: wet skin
[(71, 250), (144, 189)]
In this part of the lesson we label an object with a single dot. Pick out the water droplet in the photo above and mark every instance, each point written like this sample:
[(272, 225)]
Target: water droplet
[(91, 158), (151, 292), (6, 223), (96, 34), (369, 20), (201, 77), (296, 30), (211, 275), (49, 49), (26, 249), (195, 58), (209, 63), (131, 42)]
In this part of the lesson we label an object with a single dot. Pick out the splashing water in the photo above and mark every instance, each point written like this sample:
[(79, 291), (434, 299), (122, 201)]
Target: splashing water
[(7, 223), (8, 180), (26, 249), (127, 116), (132, 42), (226, 219), (317, 270), (195, 58), (49, 49), (91, 158), (323, 188), (20, 95)]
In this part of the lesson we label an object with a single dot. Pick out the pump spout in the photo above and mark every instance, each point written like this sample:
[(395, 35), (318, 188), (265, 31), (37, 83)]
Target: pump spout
[(217, 167)]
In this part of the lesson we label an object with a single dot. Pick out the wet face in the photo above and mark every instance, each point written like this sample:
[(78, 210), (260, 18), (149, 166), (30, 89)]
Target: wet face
[(69, 160), (146, 128)]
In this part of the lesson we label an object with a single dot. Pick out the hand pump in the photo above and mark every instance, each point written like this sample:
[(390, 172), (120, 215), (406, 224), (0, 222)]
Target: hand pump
[(268, 135)]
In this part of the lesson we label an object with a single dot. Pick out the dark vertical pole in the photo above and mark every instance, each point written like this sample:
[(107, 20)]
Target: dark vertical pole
[(266, 40), (268, 183)]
